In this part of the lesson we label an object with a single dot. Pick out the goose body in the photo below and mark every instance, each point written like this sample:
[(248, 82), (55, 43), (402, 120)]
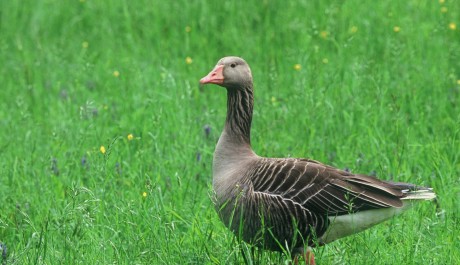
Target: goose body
[(290, 203)]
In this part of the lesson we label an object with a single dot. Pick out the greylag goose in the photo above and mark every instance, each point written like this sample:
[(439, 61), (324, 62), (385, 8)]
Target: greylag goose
[(290, 204)]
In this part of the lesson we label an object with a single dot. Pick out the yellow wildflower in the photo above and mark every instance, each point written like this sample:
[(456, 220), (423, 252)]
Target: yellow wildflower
[(188, 60), (188, 29), (102, 149), (324, 34), (297, 67), (443, 9), (144, 194), (458, 82), (442, 1), (396, 29), (85, 44), (130, 137), (452, 26), (116, 73)]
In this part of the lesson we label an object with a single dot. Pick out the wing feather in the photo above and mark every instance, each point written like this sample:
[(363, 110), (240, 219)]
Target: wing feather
[(324, 189)]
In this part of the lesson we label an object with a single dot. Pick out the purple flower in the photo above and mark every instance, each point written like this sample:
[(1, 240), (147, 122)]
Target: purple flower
[(118, 168), (207, 130), (4, 250), (84, 162), (54, 166)]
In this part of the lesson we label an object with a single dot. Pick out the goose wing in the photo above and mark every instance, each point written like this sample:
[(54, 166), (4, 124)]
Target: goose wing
[(323, 189)]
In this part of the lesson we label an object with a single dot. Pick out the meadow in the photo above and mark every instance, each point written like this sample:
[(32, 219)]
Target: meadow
[(106, 137)]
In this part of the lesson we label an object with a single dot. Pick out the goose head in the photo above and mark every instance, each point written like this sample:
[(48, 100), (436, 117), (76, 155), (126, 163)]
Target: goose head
[(230, 72)]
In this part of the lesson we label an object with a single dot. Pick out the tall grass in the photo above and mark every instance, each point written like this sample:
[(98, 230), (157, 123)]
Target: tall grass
[(370, 86)]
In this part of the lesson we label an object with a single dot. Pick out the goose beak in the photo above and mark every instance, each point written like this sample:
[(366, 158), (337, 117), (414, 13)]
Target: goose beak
[(216, 76)]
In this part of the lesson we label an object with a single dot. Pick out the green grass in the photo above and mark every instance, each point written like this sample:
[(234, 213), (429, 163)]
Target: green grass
[(366, 98)]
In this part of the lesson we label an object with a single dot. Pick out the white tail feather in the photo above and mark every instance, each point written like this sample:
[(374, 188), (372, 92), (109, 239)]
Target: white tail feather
[(422, 194), (345, 225)]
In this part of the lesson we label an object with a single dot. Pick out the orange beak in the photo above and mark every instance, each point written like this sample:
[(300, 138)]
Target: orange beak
[(216, 76)]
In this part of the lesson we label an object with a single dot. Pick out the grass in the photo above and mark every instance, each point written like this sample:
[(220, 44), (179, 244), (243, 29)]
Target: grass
[(376, 89)]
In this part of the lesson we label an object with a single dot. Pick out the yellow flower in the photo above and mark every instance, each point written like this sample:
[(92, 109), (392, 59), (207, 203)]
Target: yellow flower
[(325, 61), (116, 73), (396, 29), (297, 67), (443, 9), (188, 60), (130, 137), (324, 34), (85, 44), (452, 26), (144, 194), (354, 29), (458, 82), (442, 1), (188, 29), (102, 149)]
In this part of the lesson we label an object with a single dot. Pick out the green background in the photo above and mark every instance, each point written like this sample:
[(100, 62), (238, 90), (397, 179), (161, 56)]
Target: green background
[(373, 86)]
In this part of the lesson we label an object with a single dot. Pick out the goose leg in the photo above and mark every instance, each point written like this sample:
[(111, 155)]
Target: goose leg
[(308, 256)]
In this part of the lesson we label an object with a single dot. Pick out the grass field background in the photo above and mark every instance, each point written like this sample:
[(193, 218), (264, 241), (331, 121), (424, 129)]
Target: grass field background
[(106, 138)]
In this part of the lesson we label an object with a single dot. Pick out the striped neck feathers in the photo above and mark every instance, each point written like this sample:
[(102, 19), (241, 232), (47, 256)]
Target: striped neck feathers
[(240, 103)]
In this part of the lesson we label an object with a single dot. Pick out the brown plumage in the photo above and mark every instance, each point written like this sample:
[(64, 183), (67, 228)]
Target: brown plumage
[(290, 203)]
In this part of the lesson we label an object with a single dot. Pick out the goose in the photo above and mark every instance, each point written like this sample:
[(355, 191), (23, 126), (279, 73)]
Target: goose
[(290, 204)]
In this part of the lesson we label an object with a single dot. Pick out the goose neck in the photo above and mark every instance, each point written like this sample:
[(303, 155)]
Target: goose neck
[(240, 103)]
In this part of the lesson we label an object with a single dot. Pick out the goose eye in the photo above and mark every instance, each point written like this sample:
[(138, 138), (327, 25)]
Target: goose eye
[(233, 65)]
